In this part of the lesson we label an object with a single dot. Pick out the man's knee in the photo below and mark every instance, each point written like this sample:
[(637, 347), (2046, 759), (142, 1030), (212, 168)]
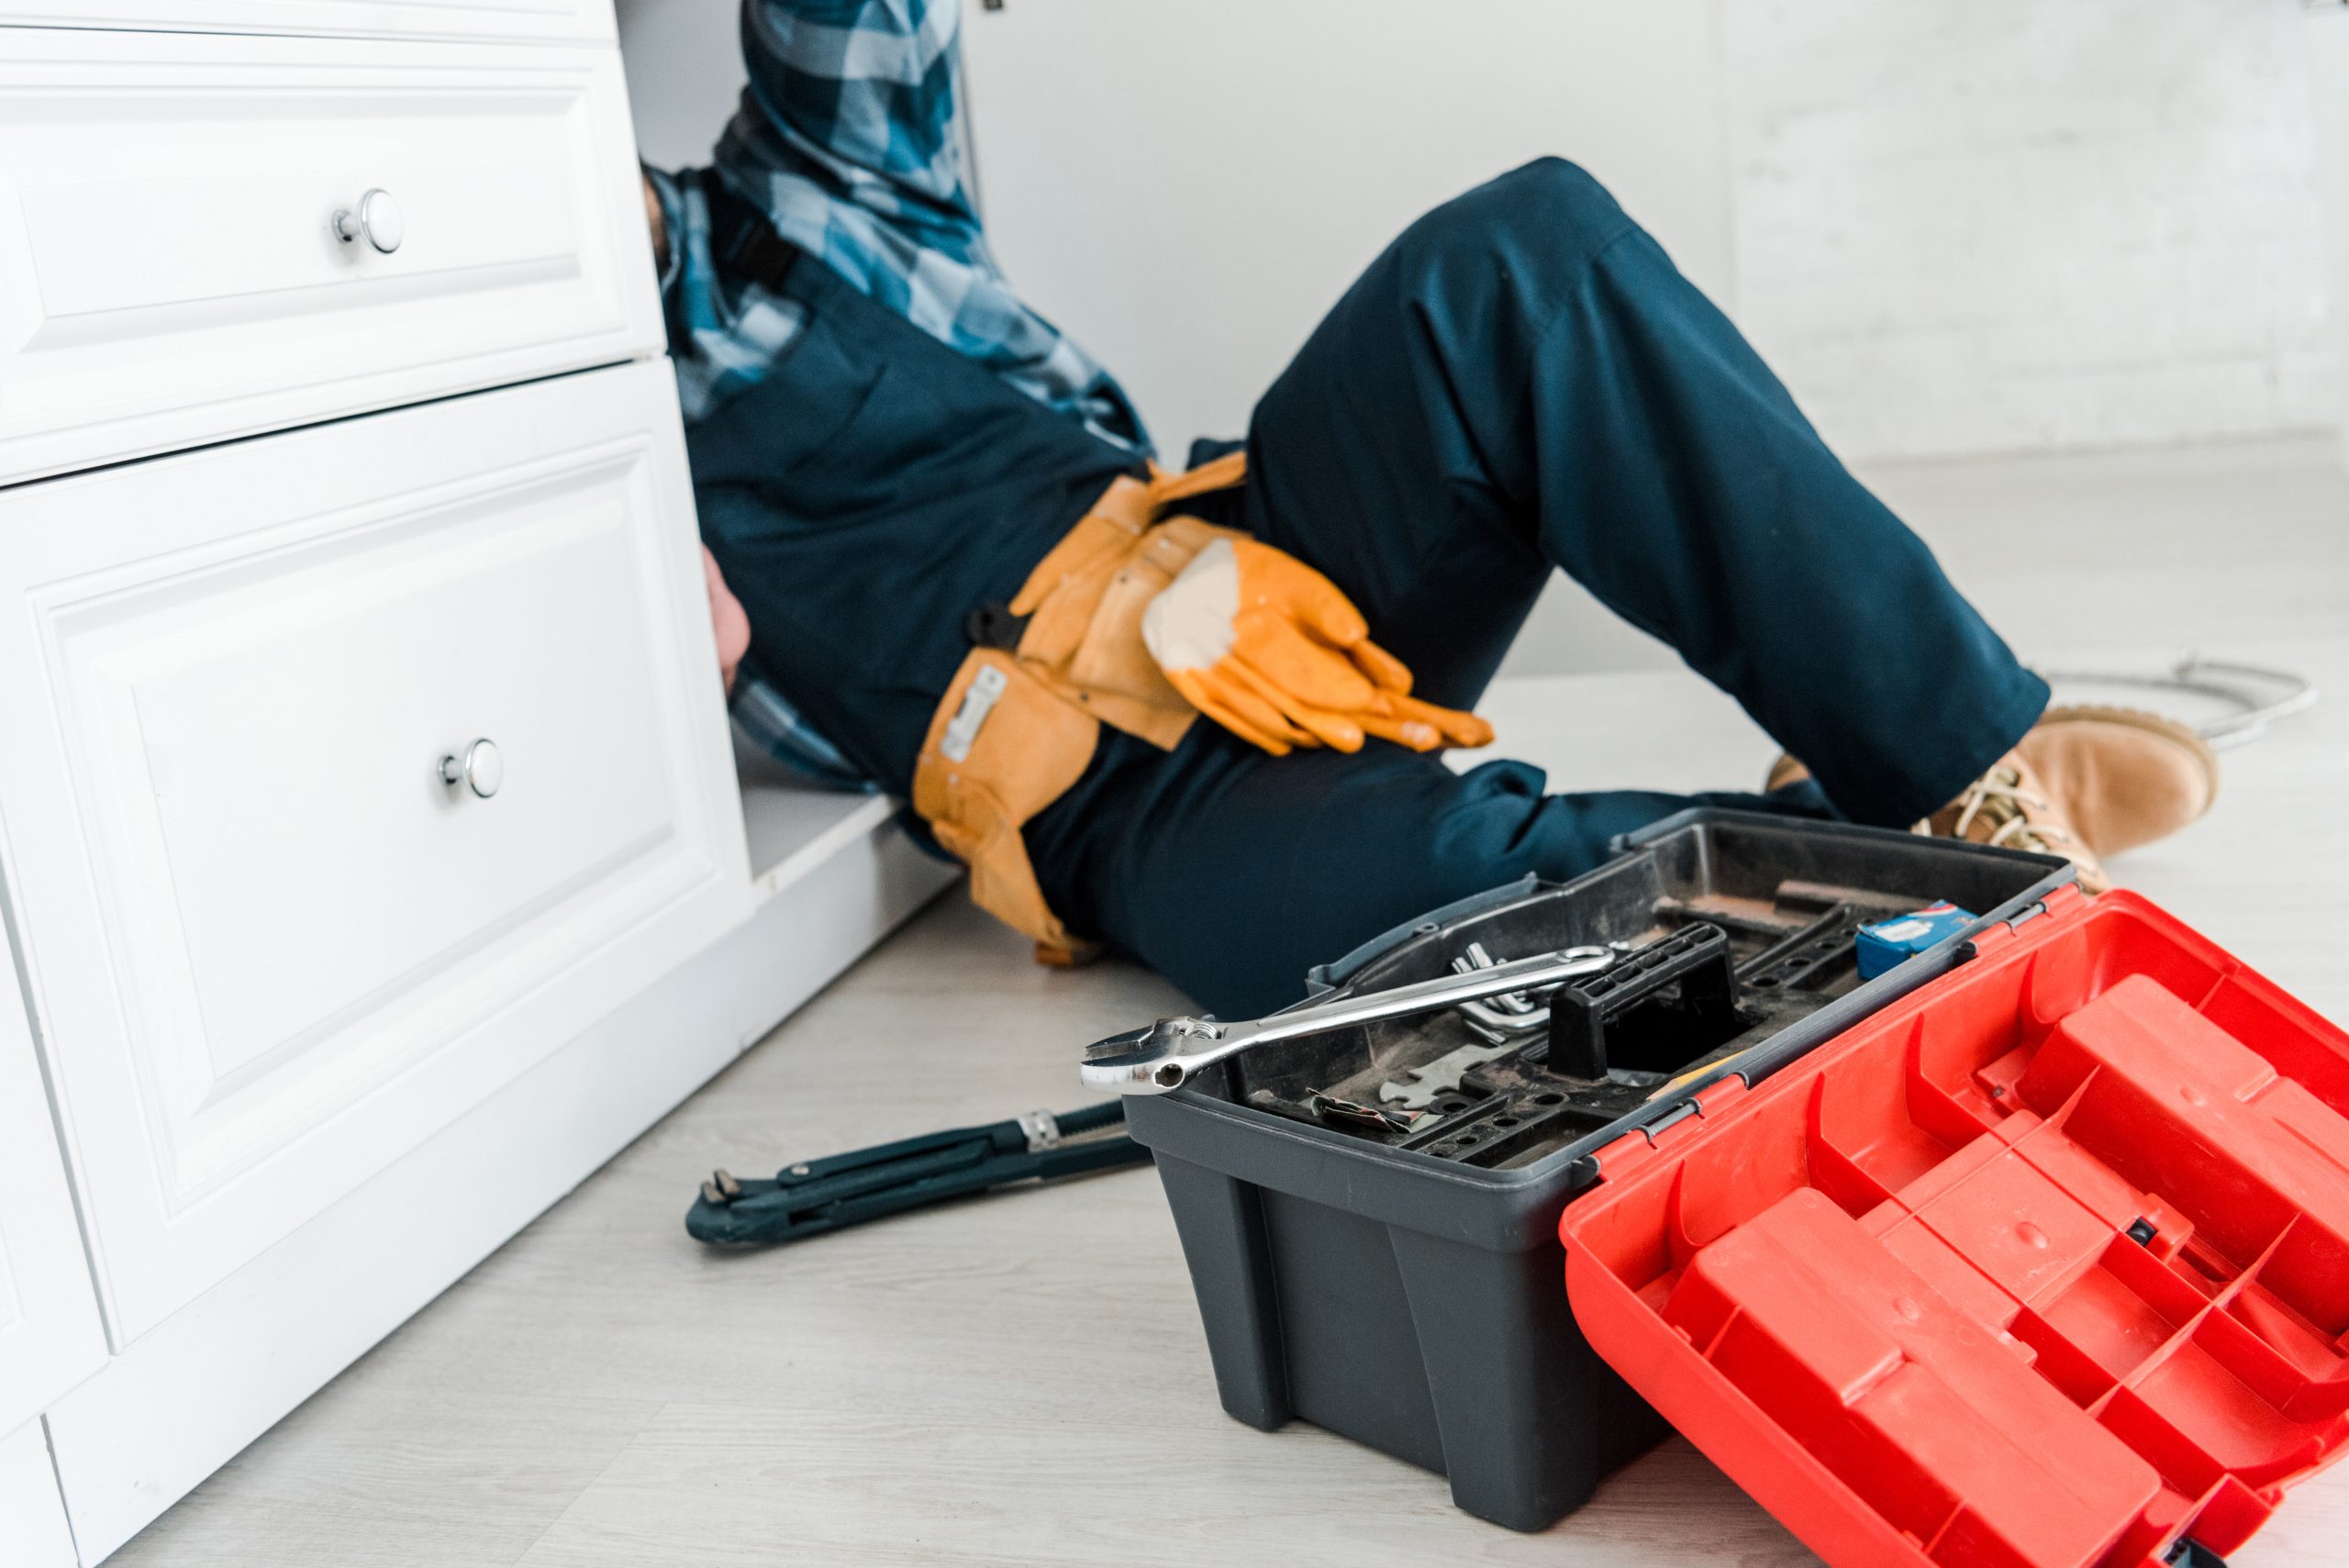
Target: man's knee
[(1548, 210)]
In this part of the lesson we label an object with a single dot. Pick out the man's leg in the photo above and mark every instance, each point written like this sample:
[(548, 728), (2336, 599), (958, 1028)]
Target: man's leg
[(1524, 381), (1232, 872)]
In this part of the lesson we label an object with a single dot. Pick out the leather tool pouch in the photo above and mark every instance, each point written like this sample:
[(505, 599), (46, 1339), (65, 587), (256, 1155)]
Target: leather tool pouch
[(1018, 727), (1002, 746)]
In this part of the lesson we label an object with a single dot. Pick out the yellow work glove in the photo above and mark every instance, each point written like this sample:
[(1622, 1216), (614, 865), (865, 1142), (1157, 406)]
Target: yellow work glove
[(1268, 648)]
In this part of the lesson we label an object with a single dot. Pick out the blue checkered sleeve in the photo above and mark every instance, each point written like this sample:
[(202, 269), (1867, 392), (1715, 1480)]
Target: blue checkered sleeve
[(849, 139), (724, 331), (768, 721)]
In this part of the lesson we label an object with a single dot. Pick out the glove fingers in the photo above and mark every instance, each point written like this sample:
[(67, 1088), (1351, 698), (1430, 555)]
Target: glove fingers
[(1285, 655), (1457, 729), (1385, 672), (1214, 710), (1233, 684), (1240, 711), (1271, 649), (1336, 731), (1270, 576), (1416, 734), (1332, 614)]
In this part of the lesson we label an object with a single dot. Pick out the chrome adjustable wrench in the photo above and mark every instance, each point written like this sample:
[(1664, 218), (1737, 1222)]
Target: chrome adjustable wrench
[(1163, 1056)]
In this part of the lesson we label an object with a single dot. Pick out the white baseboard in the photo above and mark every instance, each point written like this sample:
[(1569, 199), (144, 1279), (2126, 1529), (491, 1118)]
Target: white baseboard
[(185, 1397)]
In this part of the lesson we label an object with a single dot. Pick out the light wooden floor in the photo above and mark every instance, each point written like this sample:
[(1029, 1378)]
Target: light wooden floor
[(1023, 1379)]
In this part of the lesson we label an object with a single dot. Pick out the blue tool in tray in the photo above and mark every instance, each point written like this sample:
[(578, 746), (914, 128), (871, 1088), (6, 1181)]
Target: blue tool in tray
[(1886, 944), (811, 1196)]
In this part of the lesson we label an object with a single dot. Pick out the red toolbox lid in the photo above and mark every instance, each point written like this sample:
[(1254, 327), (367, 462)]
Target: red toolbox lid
[(2046, 1264)]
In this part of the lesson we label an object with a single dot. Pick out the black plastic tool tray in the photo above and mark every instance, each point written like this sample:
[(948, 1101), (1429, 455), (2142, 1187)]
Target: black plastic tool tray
[(1402, 1288)]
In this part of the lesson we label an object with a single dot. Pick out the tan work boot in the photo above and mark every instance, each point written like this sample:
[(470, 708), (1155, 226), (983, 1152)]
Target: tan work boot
[(2084, 784)]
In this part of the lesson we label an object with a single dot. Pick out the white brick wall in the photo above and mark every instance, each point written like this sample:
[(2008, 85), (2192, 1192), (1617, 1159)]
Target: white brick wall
[(2009, 224)]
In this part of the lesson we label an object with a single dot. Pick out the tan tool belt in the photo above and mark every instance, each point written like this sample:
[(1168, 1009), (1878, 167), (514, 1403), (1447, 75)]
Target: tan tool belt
[(1016, 728)]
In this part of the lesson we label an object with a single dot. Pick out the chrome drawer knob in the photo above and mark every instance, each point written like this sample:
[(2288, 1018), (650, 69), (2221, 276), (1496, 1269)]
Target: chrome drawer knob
[(480, 769), (375, 219)]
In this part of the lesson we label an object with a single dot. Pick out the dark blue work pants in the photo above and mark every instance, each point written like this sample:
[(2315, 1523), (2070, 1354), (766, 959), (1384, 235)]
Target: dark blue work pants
[(1522, 382)]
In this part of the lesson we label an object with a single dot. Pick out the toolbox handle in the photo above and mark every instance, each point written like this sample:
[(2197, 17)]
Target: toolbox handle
[(1584, 1014)]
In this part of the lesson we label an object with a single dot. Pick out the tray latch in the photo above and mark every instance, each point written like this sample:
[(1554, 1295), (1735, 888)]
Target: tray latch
[(2060, 902), (1684, 1121)]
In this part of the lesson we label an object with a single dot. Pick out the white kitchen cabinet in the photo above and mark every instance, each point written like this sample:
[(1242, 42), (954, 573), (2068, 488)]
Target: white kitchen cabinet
[(169, 268), (49, 1338), (834, 875), (33, 1530), (374, 857), (580, 21), (270, 947)]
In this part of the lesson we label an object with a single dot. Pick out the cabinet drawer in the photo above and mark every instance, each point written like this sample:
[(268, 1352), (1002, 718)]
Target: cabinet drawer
[(565, 20), (170, 273), (270, 948)]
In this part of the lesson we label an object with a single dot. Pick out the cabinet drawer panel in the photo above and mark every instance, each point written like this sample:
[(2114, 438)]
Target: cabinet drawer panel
[(271, 946), (170, 271), (565, 20)]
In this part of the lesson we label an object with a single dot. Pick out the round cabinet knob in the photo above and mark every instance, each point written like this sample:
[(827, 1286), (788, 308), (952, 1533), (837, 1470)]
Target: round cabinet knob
[(480, 769), (376, 219)]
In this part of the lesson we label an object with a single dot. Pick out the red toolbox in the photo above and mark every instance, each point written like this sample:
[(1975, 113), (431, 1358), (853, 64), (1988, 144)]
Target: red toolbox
[(2045, 1265)]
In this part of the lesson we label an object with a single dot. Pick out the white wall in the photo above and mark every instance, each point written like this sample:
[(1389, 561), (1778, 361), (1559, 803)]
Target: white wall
[(685, 69), (1188, 185), (2328, 38), (2015, 225)]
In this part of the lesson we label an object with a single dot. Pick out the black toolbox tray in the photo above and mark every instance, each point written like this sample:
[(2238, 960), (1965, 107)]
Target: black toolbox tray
[(1402, 1288)]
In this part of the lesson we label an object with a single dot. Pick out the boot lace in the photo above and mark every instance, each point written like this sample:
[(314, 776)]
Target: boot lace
[(1998, 801)]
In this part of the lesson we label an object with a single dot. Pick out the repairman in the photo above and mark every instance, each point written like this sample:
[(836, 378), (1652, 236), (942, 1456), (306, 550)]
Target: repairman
[(1195, 716)]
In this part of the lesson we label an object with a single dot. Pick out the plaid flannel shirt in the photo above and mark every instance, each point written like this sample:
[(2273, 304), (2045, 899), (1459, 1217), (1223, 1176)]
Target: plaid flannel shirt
[(850, 138)]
